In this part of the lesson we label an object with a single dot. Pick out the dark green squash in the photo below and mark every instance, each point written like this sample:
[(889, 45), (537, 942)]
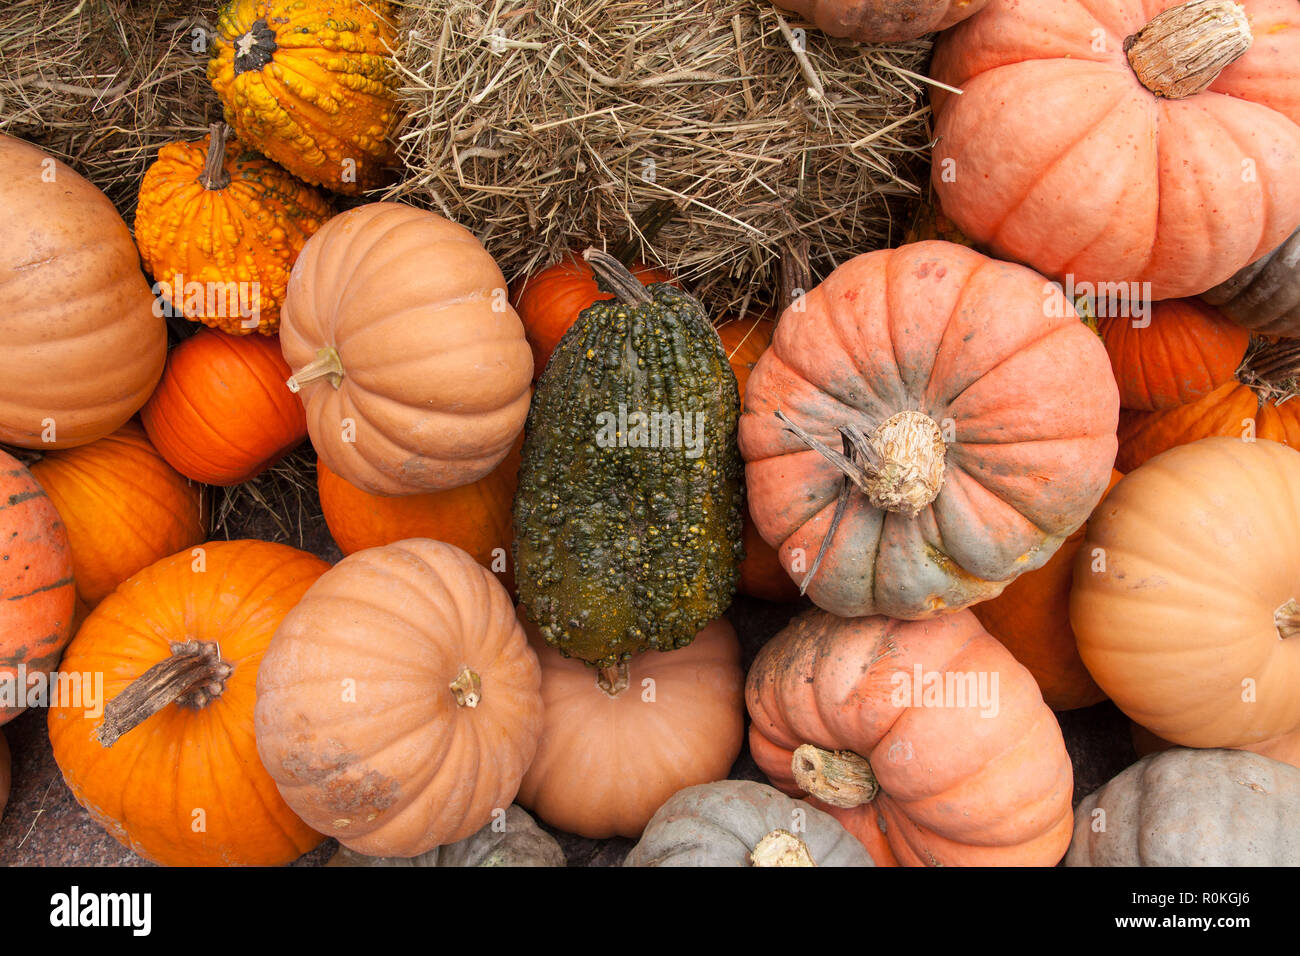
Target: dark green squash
[(627, 540)]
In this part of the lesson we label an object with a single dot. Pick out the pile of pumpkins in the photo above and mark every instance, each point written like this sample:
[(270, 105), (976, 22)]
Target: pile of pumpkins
[(924, 444)]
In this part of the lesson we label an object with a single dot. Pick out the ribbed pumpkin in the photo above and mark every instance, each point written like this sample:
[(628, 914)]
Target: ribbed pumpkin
[(970, 457), (311, 84), (1134, 141), (36, 586), (399, 704), (549, 301), (1031, 619), (80, 345), (210, 214), (513, 838), (123, 506), (1185, 599), (1264, 296), (473, 517), (1284, 749), (898, 731), (171, 770), (222, 413), (882, 21), (619, 741), (431, 401)]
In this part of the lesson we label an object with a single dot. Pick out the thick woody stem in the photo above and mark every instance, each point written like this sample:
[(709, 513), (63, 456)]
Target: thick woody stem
[(645, 227), (838, 777), (214, 175), (1287, 619), (1183, 50), (781, 848), (617, 279), (795, 278), (193, 676)]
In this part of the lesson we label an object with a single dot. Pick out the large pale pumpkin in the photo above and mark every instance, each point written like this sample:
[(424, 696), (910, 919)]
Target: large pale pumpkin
[(171, 769), (882, 21), (1134, 141), (513, 838), (973, 456), (1186, 598), (926, 739), (398, 706), (311, 84), (412, 365), (617, 742), (80, 345), (124, 508)]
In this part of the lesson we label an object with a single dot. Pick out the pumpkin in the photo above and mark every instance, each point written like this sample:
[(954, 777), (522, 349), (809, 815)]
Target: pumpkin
[(550, 301), (211, 214), (1180, 355), (80, 345), (926, 739), (123, 506), (1142, 147), (4, 774), (1192, 808), (882, 21), (311, 84), (221, 414), (619, 741), (37, 593), (1031, 619), (513, 838), (1264, 296), (1285, 749), (473, 517), (970, 458), (399, 703), (1185, 593), (430, 402), (627, 517), (742, 823), (171, 769)]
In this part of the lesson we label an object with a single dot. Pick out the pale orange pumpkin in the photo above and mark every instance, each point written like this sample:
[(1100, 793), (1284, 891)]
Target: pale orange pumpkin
[(1285, 748)]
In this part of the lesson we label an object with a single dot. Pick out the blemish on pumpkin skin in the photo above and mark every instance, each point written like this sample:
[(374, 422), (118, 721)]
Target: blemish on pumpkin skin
[(342, 791)]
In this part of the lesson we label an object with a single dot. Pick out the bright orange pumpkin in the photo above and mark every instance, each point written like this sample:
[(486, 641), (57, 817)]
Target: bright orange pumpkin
[(124, 508), (222, 413), (184, 787)]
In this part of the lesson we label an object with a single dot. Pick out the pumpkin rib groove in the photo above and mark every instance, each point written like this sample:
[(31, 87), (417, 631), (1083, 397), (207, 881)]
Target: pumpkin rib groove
[(942, 341)]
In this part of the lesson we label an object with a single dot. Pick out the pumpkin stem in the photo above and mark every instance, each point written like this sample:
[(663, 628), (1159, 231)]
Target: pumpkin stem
[(616, 277), (467, 688), (1287, 619), (1272, 369), (214, 175), (613, 680), (326, 365), (645, 227), (795, 277), (838, 777), (193, 676), (781, 848), (1180, 52)]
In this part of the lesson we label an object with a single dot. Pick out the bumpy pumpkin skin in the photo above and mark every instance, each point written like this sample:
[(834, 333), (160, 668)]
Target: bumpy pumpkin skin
[(606, 763), (222, 414), (882, 21), (979, 344), (1264, 296), (311, 85), (80, 346), (721, 824), (514, 839), (145, 789), (37, 593), (248, 231), (123, 506), (1057, 156), (959, 785), (367, 713), (1192, 808), (430, 402), (1183, 648)]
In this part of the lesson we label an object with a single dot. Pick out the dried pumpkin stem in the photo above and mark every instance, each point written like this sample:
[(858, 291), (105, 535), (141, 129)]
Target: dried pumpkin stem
[(1272, 370), (1287, 619), (327, 365), (467, 688), (214, 175), (645, 227), (1183, 50), (613, 680), (840, 778), (193, 676), (616, 277), (781, 848), (795, 277)]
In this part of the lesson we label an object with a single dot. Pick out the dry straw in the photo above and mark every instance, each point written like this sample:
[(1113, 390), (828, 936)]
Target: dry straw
[(544, 125)]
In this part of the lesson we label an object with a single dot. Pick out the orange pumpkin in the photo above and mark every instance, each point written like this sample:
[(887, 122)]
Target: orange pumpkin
[(927, 739), (222, 414), (398, 706), (37, 594), (473, 517), (617, 742), (1285, 748), (171, 768), (1185, 593), (550, 301), (1031, 619), (124, 508)]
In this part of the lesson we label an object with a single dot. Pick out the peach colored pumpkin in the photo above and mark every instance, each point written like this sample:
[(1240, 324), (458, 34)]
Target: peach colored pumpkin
[(1285, 748)]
